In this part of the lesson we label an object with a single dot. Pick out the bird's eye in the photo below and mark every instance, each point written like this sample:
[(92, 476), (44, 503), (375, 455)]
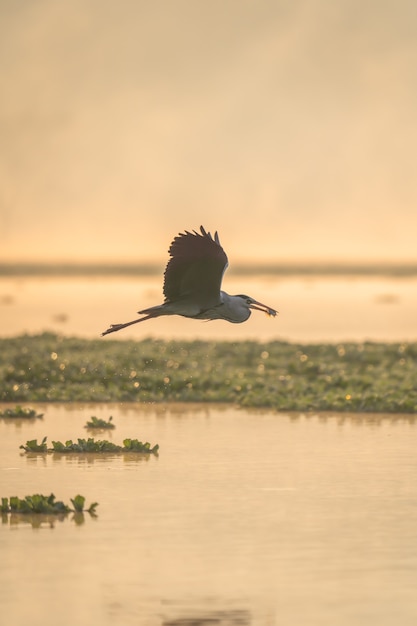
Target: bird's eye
[(248, 301)]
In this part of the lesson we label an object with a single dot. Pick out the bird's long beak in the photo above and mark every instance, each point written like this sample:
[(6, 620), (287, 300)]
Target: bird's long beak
[(258, 306)]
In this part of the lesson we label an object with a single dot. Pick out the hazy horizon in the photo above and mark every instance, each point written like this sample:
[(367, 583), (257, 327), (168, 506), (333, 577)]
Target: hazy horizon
[(289, 127)]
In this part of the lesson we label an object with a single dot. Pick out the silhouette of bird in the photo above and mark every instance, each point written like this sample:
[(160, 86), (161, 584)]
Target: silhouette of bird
[(192, 284)]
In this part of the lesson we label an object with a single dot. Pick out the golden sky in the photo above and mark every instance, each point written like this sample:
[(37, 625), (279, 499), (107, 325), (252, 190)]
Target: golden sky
[(289, 126)]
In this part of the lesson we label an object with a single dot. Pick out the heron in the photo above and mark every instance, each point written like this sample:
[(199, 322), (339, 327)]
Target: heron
[(192, 284)]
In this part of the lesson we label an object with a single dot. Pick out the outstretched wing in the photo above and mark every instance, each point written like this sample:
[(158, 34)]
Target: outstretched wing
[(195, 269)]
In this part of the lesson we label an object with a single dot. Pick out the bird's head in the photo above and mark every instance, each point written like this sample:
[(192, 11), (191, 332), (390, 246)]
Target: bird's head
[(249, 303)]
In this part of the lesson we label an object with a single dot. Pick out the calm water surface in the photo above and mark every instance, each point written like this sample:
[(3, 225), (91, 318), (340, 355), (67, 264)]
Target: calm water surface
[(315, 308), (246, 517)]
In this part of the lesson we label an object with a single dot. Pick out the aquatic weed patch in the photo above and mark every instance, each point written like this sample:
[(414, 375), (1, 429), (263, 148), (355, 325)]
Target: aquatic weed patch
[(286, 376), (90, 445), (21, 412), (100, 424), (48, 505)]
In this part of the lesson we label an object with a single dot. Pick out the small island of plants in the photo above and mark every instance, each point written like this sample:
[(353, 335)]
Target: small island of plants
[(46, 505), (21, 412), (90, 445), (99, 423)]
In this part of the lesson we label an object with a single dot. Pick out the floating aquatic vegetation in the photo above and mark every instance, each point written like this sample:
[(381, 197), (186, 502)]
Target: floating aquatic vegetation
[(21, 412), (33, 446), (366, 376), (97, 422), (90, 445), (38, 503), (78, 504)]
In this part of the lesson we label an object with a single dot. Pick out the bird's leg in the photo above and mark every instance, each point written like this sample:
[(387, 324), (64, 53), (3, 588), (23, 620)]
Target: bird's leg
[(114, 327)]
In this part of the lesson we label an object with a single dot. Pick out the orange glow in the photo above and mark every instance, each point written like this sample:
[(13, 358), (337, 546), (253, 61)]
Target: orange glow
[(288, 127)]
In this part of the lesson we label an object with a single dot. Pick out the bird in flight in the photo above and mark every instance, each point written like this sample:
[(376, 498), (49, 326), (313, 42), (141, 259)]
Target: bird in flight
[(192, 284)]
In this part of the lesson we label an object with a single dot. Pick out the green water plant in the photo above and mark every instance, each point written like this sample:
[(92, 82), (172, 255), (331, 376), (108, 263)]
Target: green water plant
[(33, 446), (78, 504), (21, 412), (97, 422), (350, 376), (48, 505), (90, 445)]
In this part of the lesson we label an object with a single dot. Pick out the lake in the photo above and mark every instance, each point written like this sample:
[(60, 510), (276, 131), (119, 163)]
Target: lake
[(245, 518), (311, 308)]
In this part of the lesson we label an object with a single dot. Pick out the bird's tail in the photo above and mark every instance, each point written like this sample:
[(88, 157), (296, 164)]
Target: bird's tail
[(153, 311), (115, 327)]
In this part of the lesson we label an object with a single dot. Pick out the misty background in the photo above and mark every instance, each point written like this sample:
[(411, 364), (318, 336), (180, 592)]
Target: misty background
[(288, 126)]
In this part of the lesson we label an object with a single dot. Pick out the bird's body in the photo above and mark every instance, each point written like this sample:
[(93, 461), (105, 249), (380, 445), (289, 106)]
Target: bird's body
[(192, 282)]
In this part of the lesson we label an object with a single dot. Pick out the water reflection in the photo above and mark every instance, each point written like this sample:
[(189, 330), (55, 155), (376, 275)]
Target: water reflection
[(35, 520), (186, 411), (18, 421), (90, 458), (247, 517), (355, 419), (35, 458), (99, 432), (43, 520), (207, 617), (85, 458)]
